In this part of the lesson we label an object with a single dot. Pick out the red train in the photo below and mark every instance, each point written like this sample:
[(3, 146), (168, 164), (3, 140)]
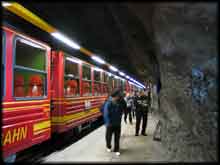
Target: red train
[(47, 91)]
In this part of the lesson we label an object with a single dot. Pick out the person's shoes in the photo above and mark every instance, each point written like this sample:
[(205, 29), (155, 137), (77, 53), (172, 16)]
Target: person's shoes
[(108, 150), (144, 134), (118, 153), (136, 134), (131, 123)]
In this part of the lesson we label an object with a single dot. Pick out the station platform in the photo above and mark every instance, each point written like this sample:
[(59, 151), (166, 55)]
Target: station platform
[(91, 148)]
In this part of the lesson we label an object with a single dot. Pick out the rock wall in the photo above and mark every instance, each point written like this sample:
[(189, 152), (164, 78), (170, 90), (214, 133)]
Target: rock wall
[(185, 35), (185, 44)]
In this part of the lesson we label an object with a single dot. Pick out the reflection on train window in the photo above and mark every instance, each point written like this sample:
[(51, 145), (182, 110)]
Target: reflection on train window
[(87, 84), (3, 65), (87, 88), (115, 82), (97, 89), (97, 83), (86, 72), (28, 83), (97, 75), (71, 68), (71, 79), (29, 70), (124, 85), (105, 77), (30, 55), (121, 85), (105, 89), (71, 87), (110, 84)]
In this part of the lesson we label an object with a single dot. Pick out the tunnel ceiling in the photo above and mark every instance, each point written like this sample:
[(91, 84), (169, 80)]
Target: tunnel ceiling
[(109, 29)]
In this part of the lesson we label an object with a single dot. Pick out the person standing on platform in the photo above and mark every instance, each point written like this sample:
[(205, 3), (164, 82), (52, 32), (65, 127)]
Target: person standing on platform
[(112, 116), (142, 104), (129, 103), (134, 98), (122, 103)]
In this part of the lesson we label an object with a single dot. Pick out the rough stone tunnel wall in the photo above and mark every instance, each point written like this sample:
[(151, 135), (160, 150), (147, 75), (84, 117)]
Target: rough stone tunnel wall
[(185, 38), (186, 35)]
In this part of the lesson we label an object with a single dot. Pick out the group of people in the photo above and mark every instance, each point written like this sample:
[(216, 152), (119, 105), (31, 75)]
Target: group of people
[(131, 105)]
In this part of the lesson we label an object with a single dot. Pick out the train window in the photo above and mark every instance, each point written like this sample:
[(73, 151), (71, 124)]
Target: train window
[(110, 84), (33, 54), (28, 83), (97, 75), (97, 82), (122, 84), (105, 88), (71, 68), (87, 84), (30, 76), (71, 87), (116, 85), (86, 72), (105, 77), (3, 64), (71, 79), (97, 89), (87, 90)]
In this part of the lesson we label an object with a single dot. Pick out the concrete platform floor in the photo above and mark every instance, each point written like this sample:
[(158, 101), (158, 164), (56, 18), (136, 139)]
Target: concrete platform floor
[(133, 148)]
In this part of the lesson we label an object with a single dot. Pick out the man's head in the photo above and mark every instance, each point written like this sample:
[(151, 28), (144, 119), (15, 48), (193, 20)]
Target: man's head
[(116, 94)]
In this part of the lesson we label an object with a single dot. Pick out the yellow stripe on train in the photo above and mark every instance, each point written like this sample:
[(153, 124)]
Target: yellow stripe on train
[(41, 125), (26, 107), (61, 119)]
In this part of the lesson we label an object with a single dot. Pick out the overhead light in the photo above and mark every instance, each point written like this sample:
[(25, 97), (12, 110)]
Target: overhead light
[(98, 59), (127, 77), (31, 44), (74, 60), (98, 69), (121, 73), (109, 74), (6, 4), (113, 68), (116, 77), (66, 40)]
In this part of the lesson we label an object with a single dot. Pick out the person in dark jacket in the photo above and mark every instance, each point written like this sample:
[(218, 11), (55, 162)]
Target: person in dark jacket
[(122, 103), (142, 105), (112, 118), (134, 97), (129, 103)]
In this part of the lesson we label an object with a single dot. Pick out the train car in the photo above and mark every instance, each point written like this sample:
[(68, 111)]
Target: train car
[(25, 91), (78, 91), (47, 92)]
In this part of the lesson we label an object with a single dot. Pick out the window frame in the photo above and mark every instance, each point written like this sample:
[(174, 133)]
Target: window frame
[(14, 67), (77, 78)]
